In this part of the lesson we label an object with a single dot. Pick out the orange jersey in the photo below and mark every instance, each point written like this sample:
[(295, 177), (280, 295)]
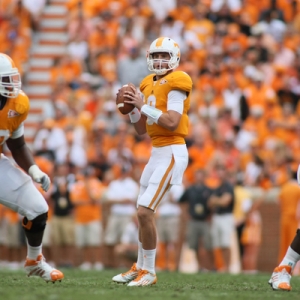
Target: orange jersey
[(88, 212), (12, 115), (289, 200), (156, 94)]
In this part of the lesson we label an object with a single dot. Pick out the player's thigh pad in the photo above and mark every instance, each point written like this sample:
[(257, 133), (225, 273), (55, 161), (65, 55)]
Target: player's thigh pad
[(18, 192), (156, 178)]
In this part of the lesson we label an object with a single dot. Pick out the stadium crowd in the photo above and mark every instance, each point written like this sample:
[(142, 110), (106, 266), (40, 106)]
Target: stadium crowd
[(243, 57)]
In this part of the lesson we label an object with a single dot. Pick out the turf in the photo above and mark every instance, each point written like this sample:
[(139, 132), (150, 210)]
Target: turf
[(90, 285)]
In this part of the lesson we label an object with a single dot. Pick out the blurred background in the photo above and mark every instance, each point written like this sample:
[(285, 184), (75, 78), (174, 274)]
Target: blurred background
[(244, 59)]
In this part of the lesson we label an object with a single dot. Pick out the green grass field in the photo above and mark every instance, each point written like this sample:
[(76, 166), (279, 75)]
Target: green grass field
[(90, 285)]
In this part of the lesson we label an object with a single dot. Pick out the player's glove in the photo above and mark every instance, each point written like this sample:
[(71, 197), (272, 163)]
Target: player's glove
[(39, 177)]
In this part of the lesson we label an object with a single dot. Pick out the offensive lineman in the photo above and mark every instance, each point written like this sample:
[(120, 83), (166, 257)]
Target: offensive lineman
[(17, 190), (162, 113)]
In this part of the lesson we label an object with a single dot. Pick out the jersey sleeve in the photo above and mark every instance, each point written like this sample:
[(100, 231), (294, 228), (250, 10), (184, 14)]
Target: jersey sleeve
[(180, 81), (22, 106)]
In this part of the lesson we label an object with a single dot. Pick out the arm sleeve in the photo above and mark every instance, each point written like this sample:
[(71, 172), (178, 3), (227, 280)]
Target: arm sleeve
[(18, 132), (175, 100)]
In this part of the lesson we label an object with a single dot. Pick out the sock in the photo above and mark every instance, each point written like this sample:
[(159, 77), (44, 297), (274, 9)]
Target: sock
[(33, 252), (290, 259), (139, 263), (149, 260)]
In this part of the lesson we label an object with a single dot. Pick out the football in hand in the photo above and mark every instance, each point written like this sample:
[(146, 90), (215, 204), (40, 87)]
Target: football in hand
[(124, 108)]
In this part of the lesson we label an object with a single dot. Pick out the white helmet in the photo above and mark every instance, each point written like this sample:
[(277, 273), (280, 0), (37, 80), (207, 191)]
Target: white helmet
[(10, 80), (163, 44)]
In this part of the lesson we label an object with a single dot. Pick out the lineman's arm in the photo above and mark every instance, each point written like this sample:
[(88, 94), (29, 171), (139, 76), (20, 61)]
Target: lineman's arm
[(20, 152), (24, 158)]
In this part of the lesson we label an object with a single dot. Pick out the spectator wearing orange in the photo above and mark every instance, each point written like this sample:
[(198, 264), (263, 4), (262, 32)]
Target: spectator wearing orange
[(200, 25), (227, 152), (287, 122), (271, 137), (86, 8), (254, 125), (200, 152), (99, 142), (289, 204), (235, 43), (258, 92), (105, 64), (66, 69), (86, 195), (182, 12), (210, 103)]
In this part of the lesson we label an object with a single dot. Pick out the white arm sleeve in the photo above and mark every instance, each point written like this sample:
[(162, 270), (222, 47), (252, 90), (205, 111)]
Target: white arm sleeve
[(175, 100), (18, 132)]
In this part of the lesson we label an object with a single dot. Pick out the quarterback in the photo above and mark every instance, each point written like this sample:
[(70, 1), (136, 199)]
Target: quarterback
[(161, 112), (17, 190)]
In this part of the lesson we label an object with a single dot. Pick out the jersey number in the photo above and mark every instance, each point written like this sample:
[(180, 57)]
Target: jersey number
[(151, 101)]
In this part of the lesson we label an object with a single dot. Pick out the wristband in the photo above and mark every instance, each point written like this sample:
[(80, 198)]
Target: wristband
[(151, 112), (134, 115), (33, 170)]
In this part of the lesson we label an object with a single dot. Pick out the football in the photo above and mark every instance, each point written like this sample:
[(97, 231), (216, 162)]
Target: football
[(124, 108)]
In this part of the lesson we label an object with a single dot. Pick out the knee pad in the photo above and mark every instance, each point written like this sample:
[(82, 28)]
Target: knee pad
[(36, 225)]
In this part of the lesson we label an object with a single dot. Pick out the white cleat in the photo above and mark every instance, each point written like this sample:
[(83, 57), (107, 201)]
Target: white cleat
[(280, 279), (127, 276), (40, 268), (144, 278)]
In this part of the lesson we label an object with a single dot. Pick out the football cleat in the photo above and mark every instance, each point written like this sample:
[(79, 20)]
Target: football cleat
[(144, 278), (127, 276), (40, 268), (280, 279)]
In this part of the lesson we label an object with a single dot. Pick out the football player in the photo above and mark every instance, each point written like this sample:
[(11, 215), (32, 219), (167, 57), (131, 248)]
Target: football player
[(17, 190), (281, 276), (161, 112)]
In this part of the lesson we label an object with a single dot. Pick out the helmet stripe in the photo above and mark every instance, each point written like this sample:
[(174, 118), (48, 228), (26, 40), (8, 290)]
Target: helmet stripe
[(159, 42)]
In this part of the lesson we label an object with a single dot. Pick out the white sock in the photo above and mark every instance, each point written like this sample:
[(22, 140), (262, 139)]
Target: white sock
[(139, 263), (149, 260), (290, 259), (33, 252)]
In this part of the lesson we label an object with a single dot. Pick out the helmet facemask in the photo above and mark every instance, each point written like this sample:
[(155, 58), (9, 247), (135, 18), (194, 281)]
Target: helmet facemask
[(163, 45), (159, 70), (10, 84)]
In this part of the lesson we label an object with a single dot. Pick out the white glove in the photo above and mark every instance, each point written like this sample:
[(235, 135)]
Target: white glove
[(39, 177), (298, 175)]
